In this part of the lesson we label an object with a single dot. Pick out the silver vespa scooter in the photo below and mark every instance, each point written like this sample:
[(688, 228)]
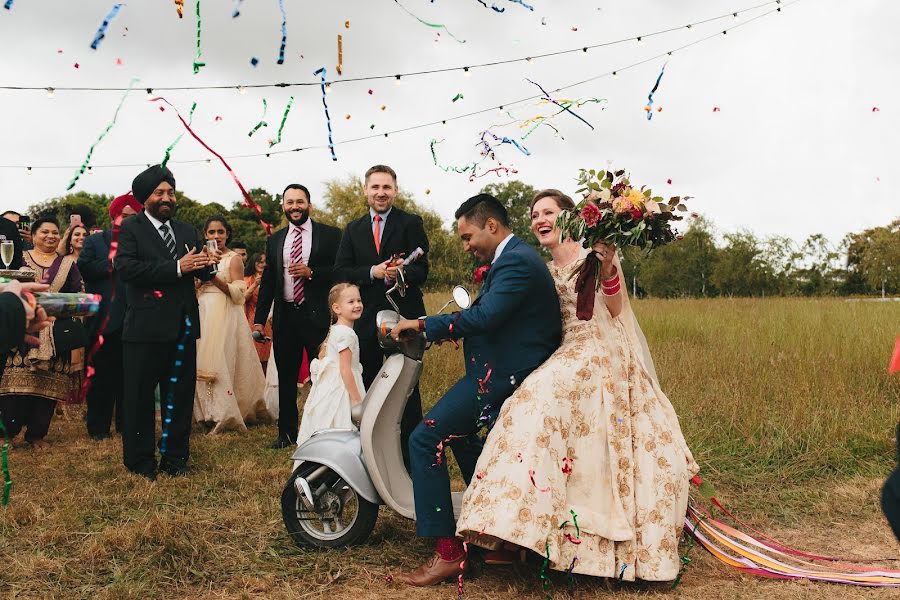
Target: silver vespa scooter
[(341, 476)]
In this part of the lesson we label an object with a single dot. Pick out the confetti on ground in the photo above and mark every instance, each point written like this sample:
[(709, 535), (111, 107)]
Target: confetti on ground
[(101, 32), (322, 73), (432, 25), (283, 32), (109, 126)]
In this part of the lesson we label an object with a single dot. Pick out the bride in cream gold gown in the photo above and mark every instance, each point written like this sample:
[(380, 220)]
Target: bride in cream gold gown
[(590, 436)]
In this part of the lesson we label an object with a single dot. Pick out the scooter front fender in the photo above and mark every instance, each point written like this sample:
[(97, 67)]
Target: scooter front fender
[(341, 451)]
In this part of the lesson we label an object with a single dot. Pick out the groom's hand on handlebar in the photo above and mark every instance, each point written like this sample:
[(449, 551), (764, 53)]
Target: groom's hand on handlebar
[(406, 325)]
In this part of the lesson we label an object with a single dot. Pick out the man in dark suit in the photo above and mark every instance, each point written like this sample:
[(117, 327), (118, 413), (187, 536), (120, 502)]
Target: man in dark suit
[(510, 329), (364, 257), (106, 389), (9, 231), (158, 260), (298, 276)]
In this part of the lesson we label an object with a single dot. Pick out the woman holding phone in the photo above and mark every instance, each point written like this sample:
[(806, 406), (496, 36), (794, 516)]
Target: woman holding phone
[(230, 380)]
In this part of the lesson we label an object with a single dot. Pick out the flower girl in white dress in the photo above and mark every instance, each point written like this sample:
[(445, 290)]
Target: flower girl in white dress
[(337, 374)]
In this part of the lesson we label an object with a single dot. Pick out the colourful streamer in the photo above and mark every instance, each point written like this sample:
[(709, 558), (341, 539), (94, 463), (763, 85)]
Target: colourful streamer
[(447, 169), (7, 478), (173, 382), (283, 32), (179, 8), (502, 140), (89, 360), (649, 106), (564, 107), (247, 198), (7, 6), (101, 33), (237, 9), (458, 96), (197, 61), (493, 6), (321, 72), (528, 6), (90, 153), (178, 139), (432, 25), (284, 117), (262, 119), (340, 65)]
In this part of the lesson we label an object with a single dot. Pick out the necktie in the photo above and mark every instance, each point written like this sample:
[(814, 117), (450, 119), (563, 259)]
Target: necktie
[(378, 234), (168, 240), (296, 254)]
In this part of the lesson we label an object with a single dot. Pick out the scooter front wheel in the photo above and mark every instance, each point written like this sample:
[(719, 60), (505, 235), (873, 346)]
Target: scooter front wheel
[(320, 509)]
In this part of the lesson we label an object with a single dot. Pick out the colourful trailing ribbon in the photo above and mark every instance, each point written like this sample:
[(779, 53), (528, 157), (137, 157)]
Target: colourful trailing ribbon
[(649, 106), (493, 6), (528, 6), (90, 153), (287, 109), (173, 382), (101, 33), (178, 139), (566, 108), (197, 61), (262, 119), (89, 369), (179, 8), (432, 25), (340, 65), (488, 149), (237, 9), (7, 478), (7, 6), (322, 73), (283, 32), (447, 169), (247, 198), (458, 96)]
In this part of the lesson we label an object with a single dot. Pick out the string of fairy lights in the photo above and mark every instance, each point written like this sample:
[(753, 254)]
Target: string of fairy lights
[(777, 6)]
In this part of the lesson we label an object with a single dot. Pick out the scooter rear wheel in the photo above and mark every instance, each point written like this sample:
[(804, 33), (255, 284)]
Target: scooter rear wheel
[(337, 517)]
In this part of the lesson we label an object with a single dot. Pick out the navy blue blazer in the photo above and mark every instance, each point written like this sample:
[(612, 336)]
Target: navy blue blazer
[(514, 324), (93, 264)]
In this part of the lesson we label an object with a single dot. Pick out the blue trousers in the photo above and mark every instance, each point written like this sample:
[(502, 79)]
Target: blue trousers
[(457, 413)]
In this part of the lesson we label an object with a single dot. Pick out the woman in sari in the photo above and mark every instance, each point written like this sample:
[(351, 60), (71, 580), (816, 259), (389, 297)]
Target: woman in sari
[(252, 278), (586, 463), (230, 380), (35, 381)]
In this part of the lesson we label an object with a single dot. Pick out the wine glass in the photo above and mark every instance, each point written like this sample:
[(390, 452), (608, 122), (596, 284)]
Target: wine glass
[(6, 253)]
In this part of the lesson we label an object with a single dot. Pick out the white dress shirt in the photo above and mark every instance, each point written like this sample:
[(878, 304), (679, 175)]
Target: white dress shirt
[(500, 247), (305, 231)]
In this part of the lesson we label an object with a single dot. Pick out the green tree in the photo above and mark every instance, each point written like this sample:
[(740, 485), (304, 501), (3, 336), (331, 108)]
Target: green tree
[(682, 267), (516, 197), (62, 207), (880, 261), (740, 268)]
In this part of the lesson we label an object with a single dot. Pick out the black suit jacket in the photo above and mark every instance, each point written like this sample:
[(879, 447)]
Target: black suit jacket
[(325, 241), (93, 264), (156, 298), (403, 233), (8, 231)]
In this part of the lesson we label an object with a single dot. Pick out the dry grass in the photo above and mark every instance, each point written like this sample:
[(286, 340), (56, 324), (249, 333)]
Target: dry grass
[(786, 404)]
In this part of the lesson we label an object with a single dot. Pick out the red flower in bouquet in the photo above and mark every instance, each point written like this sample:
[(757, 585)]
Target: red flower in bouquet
[(636, 213), (591, 214), (481, 273)]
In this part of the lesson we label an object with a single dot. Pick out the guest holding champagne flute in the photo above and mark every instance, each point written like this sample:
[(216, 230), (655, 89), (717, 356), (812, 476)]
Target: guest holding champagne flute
[(252, 278)]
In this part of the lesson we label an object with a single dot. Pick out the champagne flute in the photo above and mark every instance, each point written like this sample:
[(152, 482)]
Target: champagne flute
[(6, 253), (212, 246)]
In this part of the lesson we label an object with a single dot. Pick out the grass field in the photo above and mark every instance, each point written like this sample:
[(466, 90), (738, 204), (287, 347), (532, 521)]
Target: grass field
[(786, 404)]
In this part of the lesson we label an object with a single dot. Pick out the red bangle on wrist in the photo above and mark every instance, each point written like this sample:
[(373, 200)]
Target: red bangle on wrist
[(614, 276), (421, 325)]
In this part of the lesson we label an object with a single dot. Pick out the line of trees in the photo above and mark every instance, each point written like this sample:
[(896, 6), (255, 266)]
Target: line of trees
[(698, 265)]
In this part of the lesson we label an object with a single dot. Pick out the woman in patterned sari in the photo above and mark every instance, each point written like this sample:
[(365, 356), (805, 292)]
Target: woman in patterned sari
[(35, 381), (588, 437)]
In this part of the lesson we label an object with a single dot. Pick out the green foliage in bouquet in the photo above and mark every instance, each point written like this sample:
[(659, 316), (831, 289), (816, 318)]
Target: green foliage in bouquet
[(617, 213)]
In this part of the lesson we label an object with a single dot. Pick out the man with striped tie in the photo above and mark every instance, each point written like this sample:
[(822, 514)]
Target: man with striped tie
[(158, 259), (298, 275)]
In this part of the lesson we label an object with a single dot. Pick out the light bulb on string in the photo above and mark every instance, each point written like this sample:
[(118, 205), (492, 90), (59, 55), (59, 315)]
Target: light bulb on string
[(51, 93), (327, 88), (397, 80), (28, 170), (640, 41), (241, 90), (529, 60), (735, 15), (466, 72), (615, 75), (149, 91)]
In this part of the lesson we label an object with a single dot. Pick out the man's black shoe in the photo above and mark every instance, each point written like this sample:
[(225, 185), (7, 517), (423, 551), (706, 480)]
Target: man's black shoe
[(175, 470), (99, 437), (151, 475), (281, 442)]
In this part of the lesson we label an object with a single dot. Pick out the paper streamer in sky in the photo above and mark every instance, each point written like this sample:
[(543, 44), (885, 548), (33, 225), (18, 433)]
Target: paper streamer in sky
[(237, 9), (322, 73), (8, 6), (179, 8), (101, 33), (87, 159), (528, 6), (432, 25), (283, 32), (340, 65), (653, 91), (564, 107), (284, 117), (198, 62), (247, 198), (262, 119), (502, 140), (178, 139)]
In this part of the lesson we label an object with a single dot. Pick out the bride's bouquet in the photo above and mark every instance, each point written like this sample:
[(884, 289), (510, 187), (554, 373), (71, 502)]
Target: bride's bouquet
[(616, 212)]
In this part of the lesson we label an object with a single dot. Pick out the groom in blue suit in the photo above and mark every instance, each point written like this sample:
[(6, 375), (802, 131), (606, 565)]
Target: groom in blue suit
[(511, 328)]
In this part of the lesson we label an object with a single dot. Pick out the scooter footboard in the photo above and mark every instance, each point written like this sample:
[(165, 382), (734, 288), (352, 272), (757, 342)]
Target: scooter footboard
[(340, 450)]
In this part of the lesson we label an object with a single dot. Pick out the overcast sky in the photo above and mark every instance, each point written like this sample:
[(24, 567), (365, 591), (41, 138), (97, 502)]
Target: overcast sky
[(795, 147)]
